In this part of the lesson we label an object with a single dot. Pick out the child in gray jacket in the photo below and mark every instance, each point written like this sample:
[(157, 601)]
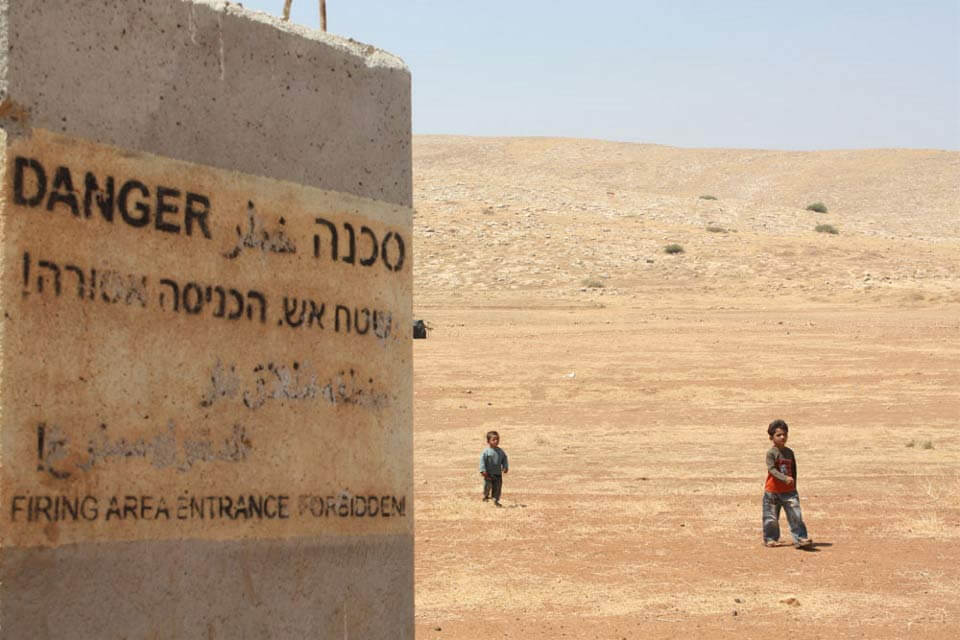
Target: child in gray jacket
[(493, 464)]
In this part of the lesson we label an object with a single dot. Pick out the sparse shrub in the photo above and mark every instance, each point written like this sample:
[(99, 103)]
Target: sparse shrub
[(819, 207), (712, 229), (826, 228), (708, 197), (592, 283), (920, 444), (673, 248)]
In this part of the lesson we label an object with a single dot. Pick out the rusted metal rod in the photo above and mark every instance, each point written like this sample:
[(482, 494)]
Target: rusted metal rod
[(323, 12)]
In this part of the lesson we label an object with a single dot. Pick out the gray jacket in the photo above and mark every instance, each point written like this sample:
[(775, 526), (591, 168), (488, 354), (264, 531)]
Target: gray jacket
[(493, 461)]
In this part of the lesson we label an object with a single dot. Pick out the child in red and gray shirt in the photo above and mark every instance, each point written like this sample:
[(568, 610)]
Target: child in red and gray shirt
[(780, 490)]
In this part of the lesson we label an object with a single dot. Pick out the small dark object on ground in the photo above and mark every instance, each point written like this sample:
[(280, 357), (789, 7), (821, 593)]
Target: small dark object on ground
[(419, 330)]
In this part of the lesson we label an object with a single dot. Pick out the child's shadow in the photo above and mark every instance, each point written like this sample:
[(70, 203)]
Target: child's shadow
[(815, 547), (516, 505)]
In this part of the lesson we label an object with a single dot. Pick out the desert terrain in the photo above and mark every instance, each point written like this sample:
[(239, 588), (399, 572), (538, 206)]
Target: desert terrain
[(632, 388)]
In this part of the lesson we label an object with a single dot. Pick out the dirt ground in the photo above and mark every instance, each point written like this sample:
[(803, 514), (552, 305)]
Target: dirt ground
[(632, 389)]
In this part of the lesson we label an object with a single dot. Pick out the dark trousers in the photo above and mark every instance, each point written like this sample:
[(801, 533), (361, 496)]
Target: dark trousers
[(492, 485)]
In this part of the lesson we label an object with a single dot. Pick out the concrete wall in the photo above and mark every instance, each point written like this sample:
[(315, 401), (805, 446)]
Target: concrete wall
[(210, 83), (275, 126)]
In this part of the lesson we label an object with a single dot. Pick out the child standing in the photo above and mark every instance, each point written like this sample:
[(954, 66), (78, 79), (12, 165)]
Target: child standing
[(780, 490), (493, 464)]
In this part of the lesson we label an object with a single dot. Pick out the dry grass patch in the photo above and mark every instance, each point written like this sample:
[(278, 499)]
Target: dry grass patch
[(929, 525)]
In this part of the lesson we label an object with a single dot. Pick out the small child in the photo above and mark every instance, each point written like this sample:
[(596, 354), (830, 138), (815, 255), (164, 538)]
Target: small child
[(780, 490), (493, 464)]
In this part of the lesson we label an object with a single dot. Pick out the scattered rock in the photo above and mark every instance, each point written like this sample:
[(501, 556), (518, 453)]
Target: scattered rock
[(793, 602)]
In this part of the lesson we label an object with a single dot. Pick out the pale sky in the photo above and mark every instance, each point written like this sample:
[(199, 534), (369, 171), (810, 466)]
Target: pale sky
[(837, 74)]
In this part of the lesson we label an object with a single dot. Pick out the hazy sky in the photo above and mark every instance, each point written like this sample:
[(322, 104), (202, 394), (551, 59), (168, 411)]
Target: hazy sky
[(692, 73)]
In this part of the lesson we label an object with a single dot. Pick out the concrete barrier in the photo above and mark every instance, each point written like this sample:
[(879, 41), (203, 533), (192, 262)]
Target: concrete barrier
[(205, 354)]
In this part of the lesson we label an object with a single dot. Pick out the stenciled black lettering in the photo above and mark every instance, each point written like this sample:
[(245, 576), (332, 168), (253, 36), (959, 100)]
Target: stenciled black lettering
[(146, 507), (351, 257), (241, 509), (290, 311), (164, 206), (40, 179), (356, 321), (183, 508), (259, 297), (346, 317), (401, 251), (374, 247), (196, 507), (130, 507), (89, 508), (316, 314), (15, 507), (70, 507), (104, 197), (226, 507), (194, 306), (43, 506), (332, 228), (267, 511), (140, 205), (196, 210), (61, 191)]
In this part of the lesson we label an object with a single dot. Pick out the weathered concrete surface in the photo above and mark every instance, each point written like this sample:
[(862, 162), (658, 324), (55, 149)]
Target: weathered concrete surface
[(205, 354), (223, 590), (211, 83)]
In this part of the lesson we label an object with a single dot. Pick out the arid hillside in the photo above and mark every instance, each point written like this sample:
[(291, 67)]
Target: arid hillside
[(554, 216), (632, 388)]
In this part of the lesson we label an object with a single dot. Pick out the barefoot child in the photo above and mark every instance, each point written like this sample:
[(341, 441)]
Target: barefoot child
[(780, 490), (493, 464)]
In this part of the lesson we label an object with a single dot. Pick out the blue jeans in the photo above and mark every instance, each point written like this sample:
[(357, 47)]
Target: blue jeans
[(790, 503)]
